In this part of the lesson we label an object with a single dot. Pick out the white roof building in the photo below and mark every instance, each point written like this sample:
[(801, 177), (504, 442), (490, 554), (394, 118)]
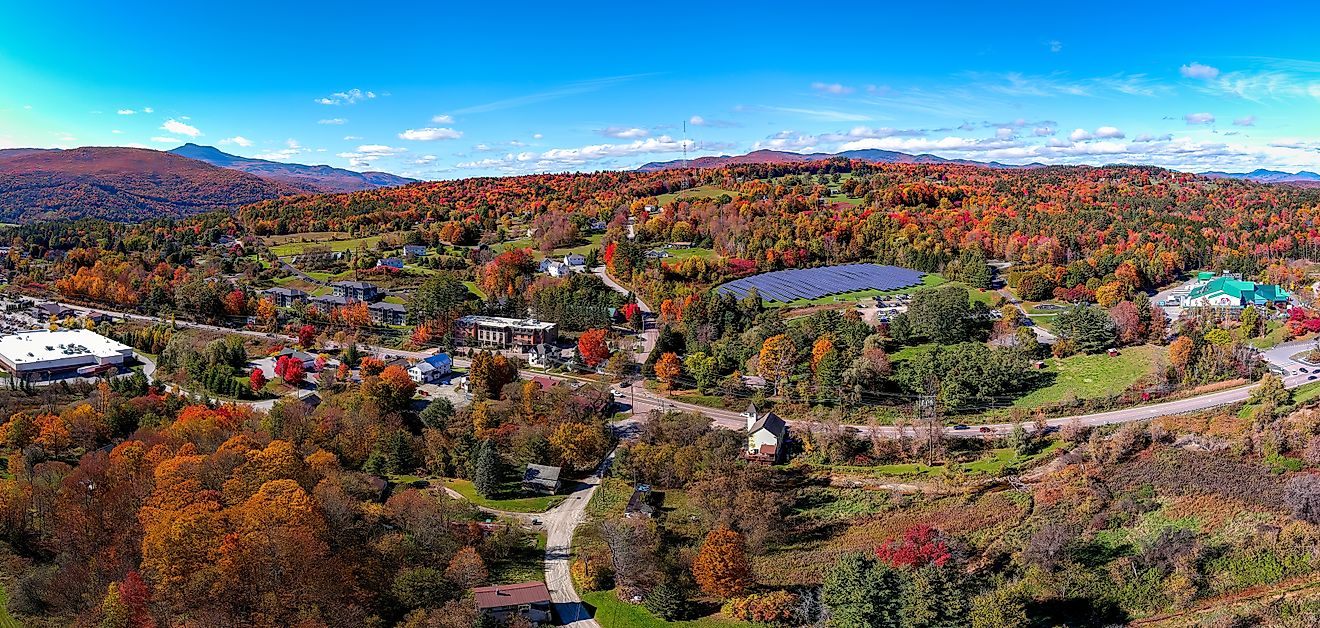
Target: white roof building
[(42, 350)]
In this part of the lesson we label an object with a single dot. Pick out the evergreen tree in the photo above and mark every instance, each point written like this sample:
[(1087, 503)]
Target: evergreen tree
[(668, 601), (486, 475), (862, 592)]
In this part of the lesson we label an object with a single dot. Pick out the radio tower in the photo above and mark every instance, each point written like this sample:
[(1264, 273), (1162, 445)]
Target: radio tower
[(686, 184)]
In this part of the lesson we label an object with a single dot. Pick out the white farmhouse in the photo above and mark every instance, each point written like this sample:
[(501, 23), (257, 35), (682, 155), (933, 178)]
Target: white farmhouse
[(431, 369), (766, 435)]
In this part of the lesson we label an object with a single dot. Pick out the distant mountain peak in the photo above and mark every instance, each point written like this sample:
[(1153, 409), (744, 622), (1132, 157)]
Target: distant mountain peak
[(320, 178), (769, 156)]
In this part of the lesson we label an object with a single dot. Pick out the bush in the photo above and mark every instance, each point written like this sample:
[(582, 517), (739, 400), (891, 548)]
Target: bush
[(1302, 495), (774, 607), (592, 574)]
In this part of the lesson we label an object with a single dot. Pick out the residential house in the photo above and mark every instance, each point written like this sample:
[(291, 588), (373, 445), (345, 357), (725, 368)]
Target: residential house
[(504, 333), (415, 250), (543, 356), (308, 360), (657, 253), (539, 478), (356, 290), (284, 297), (392, 263), (597, 225), (554, 268), (766, 436), (641, 505), (576, 262), (503, 602), (388, 313), (431, 369)]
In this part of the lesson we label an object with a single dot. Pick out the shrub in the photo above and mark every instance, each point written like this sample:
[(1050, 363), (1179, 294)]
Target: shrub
[(768, 608)]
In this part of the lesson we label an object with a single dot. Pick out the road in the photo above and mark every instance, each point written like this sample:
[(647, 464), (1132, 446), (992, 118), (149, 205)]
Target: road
[(1042, 334), (560, 523), (650, 331)]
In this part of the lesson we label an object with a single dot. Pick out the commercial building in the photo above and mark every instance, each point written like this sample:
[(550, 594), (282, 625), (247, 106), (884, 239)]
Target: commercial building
[(494, 331), (42, 352), (1227, 292)]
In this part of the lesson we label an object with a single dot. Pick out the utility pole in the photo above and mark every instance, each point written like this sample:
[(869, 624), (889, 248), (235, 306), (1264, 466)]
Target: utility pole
[(929, 415)]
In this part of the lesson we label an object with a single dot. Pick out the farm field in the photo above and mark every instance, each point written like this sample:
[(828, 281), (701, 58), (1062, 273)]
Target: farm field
[(701, 191), (288, 246)]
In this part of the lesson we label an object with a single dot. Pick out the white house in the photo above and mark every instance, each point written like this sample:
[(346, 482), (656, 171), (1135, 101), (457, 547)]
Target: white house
[(431, 369), (766, 435), (554, 268), (576, 261)]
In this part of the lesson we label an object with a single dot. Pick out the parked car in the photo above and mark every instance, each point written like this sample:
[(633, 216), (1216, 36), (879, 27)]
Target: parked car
[(960, 426), (985, 430)]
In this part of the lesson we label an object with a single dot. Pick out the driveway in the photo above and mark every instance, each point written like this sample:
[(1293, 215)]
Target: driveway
[(560, 523)]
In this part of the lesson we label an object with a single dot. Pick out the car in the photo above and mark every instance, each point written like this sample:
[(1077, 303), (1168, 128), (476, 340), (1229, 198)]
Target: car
[(961, 426), (985, 430), (1050, 429), (1310, 377), (1303, 369), (616, 393)]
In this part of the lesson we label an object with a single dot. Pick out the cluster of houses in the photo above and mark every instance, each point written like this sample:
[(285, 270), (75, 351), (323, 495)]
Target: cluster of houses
[(572, 263)]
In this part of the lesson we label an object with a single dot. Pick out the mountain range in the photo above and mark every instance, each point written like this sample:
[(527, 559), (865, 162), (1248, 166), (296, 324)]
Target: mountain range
[(1262, 175), (310, 178), (872, 155)]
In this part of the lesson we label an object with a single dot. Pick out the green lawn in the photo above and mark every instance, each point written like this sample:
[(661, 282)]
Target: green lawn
[(1087, 376), (696, 251), (613, 613), (526, 564), (992, 464), (517, 504), (1275, 334), (289, 246), (592, 242), (475, 289)]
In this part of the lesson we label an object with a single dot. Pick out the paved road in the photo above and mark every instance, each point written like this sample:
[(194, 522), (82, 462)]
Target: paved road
[(1042, 334), (650, 331), (560, 523)]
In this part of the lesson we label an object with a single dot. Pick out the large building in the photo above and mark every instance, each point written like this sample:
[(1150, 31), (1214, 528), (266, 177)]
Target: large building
[(284, 297), (41, 352), (493, 331), (356, 290), (1226, 292)]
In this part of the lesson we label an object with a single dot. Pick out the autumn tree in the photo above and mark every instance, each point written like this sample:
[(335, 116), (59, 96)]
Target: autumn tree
[(392, 390), (466, 569), (721, 568), (668, 368), (776, 360), (579, 445), (306, 335), (591, 344), (257, 380)]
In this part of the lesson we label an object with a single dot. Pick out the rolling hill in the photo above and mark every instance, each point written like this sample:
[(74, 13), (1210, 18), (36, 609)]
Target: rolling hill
[(121, 184), (783, 157), (311, 178), (1261, 175)]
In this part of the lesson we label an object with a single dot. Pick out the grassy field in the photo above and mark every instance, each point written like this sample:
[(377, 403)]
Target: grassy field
[(1275, 334), (475, 289), (1087, 376), (294, 244), (681, 254), (613, 613), (517, 504), (592, 242), (527, 564), (701, 191), (993, 464)]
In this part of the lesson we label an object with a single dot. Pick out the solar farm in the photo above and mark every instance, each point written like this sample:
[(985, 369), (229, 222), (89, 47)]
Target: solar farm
[(813, 283)]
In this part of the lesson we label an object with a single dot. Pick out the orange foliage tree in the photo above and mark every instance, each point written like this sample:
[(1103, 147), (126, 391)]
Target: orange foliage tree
[(721, 568)]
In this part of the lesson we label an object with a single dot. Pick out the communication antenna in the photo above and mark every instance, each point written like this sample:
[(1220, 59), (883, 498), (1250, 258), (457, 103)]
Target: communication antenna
[(686, 182)]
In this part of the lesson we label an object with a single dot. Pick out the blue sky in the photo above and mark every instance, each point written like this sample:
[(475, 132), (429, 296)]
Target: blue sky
[(445, 90)]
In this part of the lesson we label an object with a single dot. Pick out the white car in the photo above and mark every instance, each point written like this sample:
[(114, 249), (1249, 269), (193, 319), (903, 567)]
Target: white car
[(616, 393)]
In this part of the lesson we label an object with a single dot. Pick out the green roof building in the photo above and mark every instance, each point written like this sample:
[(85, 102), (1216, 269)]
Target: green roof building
[(1227, 292)]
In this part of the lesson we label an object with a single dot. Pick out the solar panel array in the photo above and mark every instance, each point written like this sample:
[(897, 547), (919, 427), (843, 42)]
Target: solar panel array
[(814, 283)]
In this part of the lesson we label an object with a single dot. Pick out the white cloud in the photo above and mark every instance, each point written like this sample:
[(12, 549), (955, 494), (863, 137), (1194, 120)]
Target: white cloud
[(624, 133), (442, 119), (1146, 137), (368, 153), (1055, 45), (1196, 70), (837, 89), (700, 121), (560, 159), (238, 140), (179, 128), (481, 148), (537, 136), (332, 121), (349, 97), (352, 138), (1245, 121), (148, 110), (1079, 135), (1044, 131), (1108, 132), (126, 112), (697, 121), (166, 140), (1017, 84), (1004, 133), (1199, 118), (430, 134), (292, 149), (828, 115), (116, 131)]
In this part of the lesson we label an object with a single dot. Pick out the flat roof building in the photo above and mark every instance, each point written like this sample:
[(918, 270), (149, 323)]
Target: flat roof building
[(494, 331), (42, 351)]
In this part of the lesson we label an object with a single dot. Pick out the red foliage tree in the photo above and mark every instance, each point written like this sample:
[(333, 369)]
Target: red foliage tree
[(306, 335), (920, 546), (591, 344), (257, 380)]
